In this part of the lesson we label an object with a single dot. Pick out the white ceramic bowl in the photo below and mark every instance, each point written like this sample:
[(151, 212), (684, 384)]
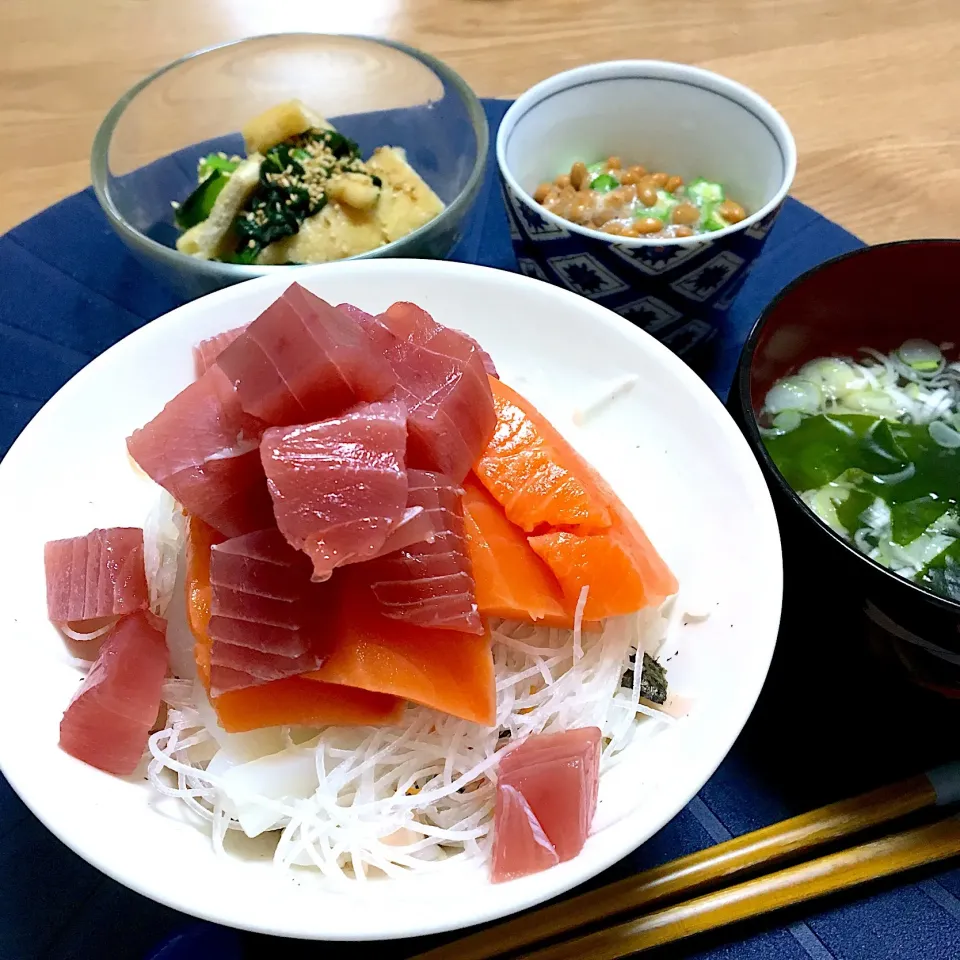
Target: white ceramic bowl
[(668, 446), (667, 116)]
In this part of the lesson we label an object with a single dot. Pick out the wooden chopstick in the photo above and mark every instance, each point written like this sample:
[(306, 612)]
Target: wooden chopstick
[(816, 878), (720, 863)]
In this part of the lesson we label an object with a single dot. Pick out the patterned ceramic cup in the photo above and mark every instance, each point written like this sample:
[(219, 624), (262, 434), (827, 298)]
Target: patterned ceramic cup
[(667, 116)]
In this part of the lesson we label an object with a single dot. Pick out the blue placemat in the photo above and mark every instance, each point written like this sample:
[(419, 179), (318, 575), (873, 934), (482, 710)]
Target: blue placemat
[(828, 724)]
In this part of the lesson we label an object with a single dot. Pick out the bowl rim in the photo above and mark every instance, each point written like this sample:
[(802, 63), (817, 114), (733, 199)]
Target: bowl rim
[(668, 70), (742, 391), (231, 272)]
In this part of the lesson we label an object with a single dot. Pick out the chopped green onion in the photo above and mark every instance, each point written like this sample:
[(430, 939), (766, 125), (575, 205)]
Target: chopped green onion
[(793, 393), (921, 355)]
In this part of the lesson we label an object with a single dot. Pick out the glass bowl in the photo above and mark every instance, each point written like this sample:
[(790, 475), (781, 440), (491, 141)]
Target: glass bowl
[(373, 90), (873, 297)]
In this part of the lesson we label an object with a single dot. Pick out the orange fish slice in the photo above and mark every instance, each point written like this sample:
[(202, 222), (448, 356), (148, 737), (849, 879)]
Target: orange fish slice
[(534, 474), (290, 701), (450, 671), (511, 580), (296, 700), (620, 566), (200, 538)]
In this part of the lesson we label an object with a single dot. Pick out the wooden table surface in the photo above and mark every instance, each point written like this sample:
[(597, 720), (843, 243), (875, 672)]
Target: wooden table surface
[(870, 87)]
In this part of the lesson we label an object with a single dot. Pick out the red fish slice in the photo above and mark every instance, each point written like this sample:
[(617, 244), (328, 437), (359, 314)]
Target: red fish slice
[(441, 380), (266, 613), (410, 322), (558, 776), (449, 409), (520, 847), (430, 584), (99, 575), (302, 360), (108, 721), (339, 486), (205, 353), (202, 449)]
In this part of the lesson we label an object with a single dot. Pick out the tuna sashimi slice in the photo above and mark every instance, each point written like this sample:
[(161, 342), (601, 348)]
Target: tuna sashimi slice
[(443, 386), (99, 575), (292, 700), (511, 580), (233, 667), (535, 474), (449, 408), (205, 353), (520, 847), (430, 583), (559, 777), (339, 486), (265, 611), (379, 335), (302, 360), (582, 743), (202, 449), (410, 322), (108, 720), (415, 526)]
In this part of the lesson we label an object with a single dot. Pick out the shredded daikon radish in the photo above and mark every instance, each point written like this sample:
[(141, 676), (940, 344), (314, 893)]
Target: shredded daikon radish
[(613, 391), (359, 802), (162, 538)]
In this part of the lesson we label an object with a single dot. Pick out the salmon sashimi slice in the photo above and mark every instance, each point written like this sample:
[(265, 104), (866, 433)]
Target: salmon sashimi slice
[(108, 721), (410, 322), (430, 583), (205, 353), (339, 486), (511, 580), (99, 575), (302, 360), (620, 567), (203, 449), (297, 701), (453, 674), (535, 474), (291, 700), (559, 780), (659, 581), (601, 562), (520, 846)]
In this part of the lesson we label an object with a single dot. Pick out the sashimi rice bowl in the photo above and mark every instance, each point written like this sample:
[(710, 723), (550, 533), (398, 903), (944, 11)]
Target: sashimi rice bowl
[(404, 577)]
